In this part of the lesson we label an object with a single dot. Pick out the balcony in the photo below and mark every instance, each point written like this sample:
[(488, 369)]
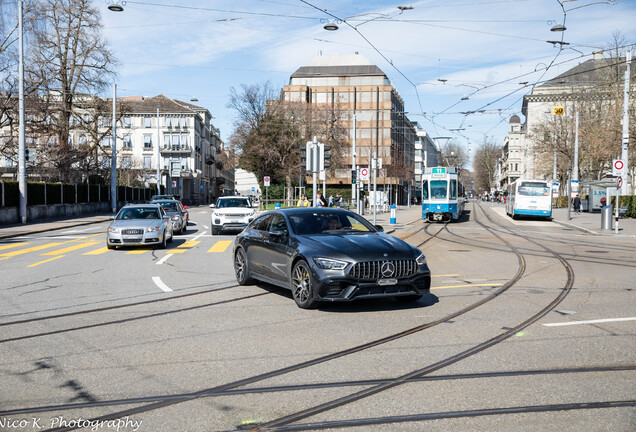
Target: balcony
[(209, 160), (176, 149)]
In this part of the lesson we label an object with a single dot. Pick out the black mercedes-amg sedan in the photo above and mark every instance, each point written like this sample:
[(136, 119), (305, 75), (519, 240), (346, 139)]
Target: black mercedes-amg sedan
[(328, 254)]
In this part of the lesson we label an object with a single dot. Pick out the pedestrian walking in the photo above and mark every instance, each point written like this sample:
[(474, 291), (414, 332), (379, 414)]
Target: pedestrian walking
[(576, 203), (331, 200)]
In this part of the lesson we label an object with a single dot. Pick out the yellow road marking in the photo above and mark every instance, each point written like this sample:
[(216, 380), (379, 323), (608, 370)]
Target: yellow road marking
[(9, 246), (184, 247), (70, 248), (85, 237), (220, 246), (449, 275), (137, 251), (31, 249), (45, 261), (466, 286), (97, 251)]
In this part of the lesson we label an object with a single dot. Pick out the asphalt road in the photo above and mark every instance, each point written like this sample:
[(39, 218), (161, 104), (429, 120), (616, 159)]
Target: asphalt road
[(530, 326)]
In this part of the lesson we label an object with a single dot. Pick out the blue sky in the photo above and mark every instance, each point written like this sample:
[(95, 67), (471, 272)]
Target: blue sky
[(435, 54)]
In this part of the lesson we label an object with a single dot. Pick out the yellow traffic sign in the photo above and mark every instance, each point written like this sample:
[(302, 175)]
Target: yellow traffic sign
[(558, 110)]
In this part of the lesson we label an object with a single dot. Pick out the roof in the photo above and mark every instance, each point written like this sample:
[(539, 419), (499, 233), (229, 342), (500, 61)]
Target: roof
[(142, 104), (590, 72), (338, 65), (515, 119)]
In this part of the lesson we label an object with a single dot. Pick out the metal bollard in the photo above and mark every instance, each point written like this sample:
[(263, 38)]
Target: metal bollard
[(606, 217)]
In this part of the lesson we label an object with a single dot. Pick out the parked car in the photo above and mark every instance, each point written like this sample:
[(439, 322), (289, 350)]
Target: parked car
[(185, 207), (329, 254), (231, 213), (139, 225), (177, 213)]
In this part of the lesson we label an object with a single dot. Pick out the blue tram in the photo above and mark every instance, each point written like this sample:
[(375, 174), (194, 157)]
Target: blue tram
[(442, 194)]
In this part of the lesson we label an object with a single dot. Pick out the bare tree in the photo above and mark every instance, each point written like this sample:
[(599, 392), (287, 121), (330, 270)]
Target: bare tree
[(453, 154), (484, 165), (269, 132), (70, 63)]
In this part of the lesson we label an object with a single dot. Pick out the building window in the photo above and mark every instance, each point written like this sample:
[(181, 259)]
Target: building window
[(166, 162), (127, 142), (126, 122), (166, 140), (365, 96), (184, 140), (83, 139), (127, 162), (147, 122), (147, 162), (106, 121), (184, 122), (147, 142), (175, 141)]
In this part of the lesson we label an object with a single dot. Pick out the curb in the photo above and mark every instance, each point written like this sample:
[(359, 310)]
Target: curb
[(576, 227)]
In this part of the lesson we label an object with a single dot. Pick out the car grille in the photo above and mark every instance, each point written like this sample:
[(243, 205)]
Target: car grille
[(132, 231), (133, 240), (372, 270), (235, 215)]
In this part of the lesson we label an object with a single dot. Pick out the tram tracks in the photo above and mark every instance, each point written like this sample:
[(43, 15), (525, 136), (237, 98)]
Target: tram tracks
[(377, 387), (312, 362)]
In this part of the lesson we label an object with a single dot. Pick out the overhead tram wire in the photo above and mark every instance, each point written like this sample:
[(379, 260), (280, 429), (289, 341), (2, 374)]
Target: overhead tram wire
[(419, 101)]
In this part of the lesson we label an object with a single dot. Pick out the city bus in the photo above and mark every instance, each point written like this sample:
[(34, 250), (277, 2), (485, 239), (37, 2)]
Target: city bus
[(529, 198)]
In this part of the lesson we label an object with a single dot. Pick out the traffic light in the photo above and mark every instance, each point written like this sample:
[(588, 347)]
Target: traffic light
[(307, 155), (354, 176), (324, 156), (26, 155)]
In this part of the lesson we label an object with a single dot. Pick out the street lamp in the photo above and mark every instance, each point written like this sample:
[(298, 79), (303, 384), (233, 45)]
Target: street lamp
[(115, 6)]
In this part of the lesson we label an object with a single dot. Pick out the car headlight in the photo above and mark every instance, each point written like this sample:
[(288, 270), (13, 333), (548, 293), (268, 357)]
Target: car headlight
[(175, 217), (331, 264), (421, 260), (153, 229), (114, 230), (215, 214)]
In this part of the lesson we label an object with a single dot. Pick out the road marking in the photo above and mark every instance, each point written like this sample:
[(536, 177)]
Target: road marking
[(138, 251), (220, 246), (31, 249), (186, 246), (160, 284), (466, 286), (97, 251), (45, 261), (448, 275), (70, 248), (596, 321), (9, 246), (164, 259)]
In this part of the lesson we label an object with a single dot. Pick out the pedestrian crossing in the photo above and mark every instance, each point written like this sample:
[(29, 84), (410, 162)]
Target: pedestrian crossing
[(54, 250)]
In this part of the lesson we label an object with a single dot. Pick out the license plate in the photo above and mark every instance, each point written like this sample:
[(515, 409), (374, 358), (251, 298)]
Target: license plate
[(384, 282), (234, 221)]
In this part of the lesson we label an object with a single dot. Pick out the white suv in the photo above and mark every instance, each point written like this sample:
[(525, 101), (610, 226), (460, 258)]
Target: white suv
[(231, 213)]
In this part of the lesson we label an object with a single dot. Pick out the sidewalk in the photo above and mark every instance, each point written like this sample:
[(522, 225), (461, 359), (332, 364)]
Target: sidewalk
[(591, 223), (16, 230)]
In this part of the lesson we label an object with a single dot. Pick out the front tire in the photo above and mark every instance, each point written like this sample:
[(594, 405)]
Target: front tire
[(302, 286), (241, 268), (214, 230), (164, 242), (109, 246)]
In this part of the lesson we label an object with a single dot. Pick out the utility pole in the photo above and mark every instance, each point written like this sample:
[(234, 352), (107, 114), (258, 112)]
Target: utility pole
[(575, 169), (624, 152), (113, 155), (354, 186), (22, 185), (158, 156)]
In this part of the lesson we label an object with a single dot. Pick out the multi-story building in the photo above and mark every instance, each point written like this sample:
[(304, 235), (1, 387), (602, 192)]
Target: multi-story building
[(427, 154), (360, 88), (190, 149), (511, 163), (588, 82)]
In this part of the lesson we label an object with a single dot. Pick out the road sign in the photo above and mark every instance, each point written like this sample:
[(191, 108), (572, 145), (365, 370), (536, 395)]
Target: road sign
[(439, 170), (266, 180), (617, 167), (619, 182), (364, 173), (558, 110)]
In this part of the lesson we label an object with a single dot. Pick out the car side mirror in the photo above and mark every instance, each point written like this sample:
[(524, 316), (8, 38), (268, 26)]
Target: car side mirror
[(278, 233), (111, 217), (166, 216), (379, 228), (212, 206)]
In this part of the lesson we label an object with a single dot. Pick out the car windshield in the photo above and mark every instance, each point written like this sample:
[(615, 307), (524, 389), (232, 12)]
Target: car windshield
[(438, 189), (139, 213), (233, 203), (307, 223), (170, 206)]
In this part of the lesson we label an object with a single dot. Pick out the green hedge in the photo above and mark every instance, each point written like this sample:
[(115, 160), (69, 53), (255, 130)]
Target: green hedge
[(628, 201)]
